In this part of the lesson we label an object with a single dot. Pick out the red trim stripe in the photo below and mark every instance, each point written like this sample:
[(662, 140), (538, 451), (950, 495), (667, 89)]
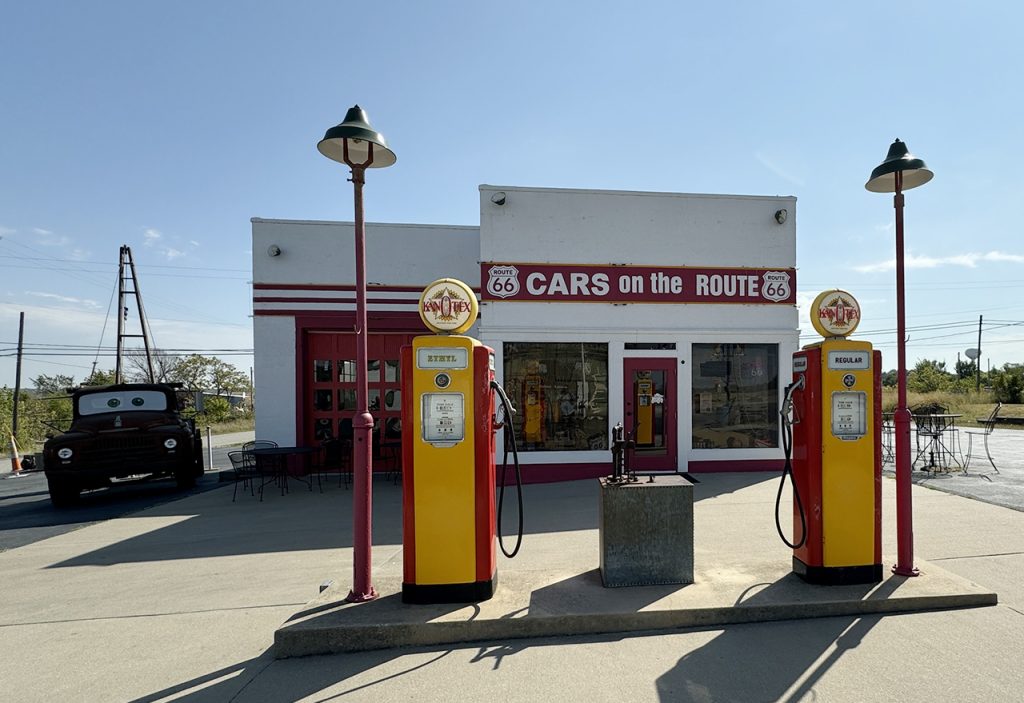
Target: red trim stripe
[(483, 478), (343, 287), (878, 453), (370, 299)]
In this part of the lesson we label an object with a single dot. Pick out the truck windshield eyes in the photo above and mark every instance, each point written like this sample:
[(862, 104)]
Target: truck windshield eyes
[(113, 402), (138, 401)]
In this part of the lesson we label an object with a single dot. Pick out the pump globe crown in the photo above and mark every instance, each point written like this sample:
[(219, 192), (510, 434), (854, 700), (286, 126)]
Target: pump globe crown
[(915, 173), (361, 138)]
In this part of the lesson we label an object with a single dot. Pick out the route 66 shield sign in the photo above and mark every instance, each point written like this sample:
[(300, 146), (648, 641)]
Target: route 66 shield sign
[(776, 286), (503, 281)]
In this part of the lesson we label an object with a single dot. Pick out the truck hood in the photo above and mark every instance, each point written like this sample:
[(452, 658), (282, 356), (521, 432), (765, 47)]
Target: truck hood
[(104, 423)]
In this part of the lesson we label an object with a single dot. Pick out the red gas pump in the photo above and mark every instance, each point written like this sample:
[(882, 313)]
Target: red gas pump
[(836, 453)]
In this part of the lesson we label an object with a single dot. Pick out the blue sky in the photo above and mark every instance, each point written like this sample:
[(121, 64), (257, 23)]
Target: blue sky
[(167, 126)]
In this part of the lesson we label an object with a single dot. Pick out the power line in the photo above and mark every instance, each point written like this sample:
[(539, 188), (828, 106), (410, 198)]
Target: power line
[(101, 263)]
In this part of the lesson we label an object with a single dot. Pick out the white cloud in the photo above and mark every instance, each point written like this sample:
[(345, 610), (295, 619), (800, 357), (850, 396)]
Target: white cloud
[(48, 239), (912, 261), (6, 230), (154, 238), (64, 299), (193, 242)]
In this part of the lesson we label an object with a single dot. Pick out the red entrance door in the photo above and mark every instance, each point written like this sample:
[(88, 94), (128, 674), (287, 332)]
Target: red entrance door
[(649, 398), (329, 400)]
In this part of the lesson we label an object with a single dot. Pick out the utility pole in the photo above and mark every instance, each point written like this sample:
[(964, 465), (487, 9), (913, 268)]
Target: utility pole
[(977, 365), (127, 264), (17, 374)]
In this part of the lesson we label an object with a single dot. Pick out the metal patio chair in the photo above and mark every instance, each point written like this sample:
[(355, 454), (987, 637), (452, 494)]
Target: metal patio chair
[(245, 472), (987, 426), (257, 465)]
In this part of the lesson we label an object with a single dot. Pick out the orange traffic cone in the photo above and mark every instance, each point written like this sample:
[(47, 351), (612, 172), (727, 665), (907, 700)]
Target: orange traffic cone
[(15, 459)]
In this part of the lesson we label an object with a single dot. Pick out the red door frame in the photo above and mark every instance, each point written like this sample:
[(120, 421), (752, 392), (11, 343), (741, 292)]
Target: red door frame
[(668, 461), (334, 346)]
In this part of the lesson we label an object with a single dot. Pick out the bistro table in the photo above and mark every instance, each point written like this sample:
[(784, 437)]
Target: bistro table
[(274, 462), (937, 440)]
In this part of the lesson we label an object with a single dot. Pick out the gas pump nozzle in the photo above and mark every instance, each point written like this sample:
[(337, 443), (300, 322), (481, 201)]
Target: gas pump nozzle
[(787, 402)]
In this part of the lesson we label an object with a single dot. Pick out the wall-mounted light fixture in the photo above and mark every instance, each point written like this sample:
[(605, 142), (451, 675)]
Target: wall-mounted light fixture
[(781, 215), (498, 198), (273, 250)]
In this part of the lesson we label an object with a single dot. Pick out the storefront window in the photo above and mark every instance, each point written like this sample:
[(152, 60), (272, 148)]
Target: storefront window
[(322, 371), (347, 399), (322, 400), (560, 392), (346, 371), (735, 396)]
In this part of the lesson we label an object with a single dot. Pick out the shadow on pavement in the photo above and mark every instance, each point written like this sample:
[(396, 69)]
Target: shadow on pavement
[(752, 662), (310, 520)]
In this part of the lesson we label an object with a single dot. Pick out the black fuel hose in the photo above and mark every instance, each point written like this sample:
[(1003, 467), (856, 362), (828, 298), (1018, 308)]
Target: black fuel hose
[(510, 438), (787, 469)]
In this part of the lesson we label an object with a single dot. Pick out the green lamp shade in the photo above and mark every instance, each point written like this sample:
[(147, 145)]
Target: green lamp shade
[(356, 131), (899, 159)]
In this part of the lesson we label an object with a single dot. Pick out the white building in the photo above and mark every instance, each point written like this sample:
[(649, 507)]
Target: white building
[(673, 314)]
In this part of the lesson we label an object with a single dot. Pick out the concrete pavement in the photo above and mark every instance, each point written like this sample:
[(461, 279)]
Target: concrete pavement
[(181, 602)]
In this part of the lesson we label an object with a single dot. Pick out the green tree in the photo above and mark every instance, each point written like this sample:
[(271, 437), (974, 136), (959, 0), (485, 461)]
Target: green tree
[(56, 384), (965, 369), (929, 376), (889, 378), (215, 409), (227, 378), (99, 377), (1008, 383), (194, 371), (198, 372), (37, 418)]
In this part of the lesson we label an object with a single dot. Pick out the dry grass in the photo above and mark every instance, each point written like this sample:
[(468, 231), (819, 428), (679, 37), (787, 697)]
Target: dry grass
[(971, 406)]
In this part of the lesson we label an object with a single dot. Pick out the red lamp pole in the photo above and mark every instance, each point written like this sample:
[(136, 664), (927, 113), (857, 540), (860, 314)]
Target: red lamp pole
[(904, 511), (357, 145), (362, 424), (900, 171)]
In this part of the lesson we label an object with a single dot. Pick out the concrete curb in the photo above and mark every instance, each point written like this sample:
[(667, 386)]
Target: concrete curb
[(549, 605)]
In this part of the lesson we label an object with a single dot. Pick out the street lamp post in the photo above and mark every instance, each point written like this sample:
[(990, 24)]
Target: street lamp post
[(901, 171), (355, 144)]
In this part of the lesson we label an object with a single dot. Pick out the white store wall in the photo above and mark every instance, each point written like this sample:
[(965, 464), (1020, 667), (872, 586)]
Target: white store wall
[(565, 226)]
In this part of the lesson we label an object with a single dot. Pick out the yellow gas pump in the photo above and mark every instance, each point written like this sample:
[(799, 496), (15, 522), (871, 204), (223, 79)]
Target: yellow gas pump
[(534, 405), (448, 454), (644, 391), (836, 452)]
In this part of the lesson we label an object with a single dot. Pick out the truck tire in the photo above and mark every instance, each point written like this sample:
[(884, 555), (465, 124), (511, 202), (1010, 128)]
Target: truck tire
[(63, 494), (185, 477), (199, 457)]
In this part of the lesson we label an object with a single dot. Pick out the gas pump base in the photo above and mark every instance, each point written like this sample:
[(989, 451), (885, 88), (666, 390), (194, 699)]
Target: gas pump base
[(838, 575), (425, 594)]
